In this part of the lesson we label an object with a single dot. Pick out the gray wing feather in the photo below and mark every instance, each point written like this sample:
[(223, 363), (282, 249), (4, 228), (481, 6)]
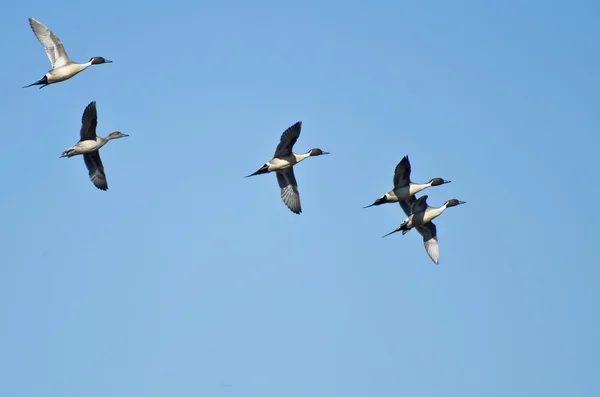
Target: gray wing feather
[(288, 139), (429, 233), (428, 230), (96, 169), (289, 189), (52, 44)]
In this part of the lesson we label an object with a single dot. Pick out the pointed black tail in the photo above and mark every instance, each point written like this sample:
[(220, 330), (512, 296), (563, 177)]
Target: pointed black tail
[(262, 170), (402, 228), (43, 80), (379, 201)]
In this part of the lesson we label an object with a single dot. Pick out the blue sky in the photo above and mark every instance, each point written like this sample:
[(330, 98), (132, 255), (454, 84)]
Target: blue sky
[(185, 279)]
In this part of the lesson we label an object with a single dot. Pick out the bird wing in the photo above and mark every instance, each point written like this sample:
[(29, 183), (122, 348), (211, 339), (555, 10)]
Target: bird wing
[(288, 139), (52, 44), (89, 121), (289, 189), (406, 205), (96, 169), (419, 205), (402, 173), (429, 233)]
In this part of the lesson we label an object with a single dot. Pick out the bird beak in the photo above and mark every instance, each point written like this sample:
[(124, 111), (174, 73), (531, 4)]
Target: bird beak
[(462, 202), (447, 181), (107, 61), (325, 152), (124, 134)]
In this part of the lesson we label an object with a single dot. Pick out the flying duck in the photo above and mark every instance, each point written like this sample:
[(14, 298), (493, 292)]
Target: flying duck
[(282, 163)]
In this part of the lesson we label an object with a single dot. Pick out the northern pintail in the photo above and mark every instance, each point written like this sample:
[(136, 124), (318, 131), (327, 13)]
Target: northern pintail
[(89, 144), (403, 187), (420, 216), (62, 66), (282, 163)]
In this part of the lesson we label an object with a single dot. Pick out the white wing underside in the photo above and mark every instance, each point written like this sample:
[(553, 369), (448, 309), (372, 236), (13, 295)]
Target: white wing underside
[(54, 49), (289, 189), (433, 249), (429, 233)]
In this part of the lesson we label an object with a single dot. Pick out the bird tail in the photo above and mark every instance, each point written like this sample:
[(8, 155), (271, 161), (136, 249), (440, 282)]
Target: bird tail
[(402, 228), (262, 170), (66, 153), (379, 201), (43, 80)]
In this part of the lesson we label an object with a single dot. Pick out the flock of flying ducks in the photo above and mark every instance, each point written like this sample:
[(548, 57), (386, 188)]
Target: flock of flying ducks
[(64, 68), (419, 214)]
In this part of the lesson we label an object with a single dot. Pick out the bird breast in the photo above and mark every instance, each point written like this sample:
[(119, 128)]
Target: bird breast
[(280, 163)]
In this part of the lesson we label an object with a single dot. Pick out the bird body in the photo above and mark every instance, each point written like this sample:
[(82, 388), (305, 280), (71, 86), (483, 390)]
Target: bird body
[(63, 68), (282, 164), (89, 144), (420, 217), (404, 188)]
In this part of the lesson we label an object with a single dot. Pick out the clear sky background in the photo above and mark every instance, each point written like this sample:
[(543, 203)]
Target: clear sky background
[(185, 279)]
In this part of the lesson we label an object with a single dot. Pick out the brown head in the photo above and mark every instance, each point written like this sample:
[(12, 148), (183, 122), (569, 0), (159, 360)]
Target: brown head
[(454, 203), (438, 181), (99, 60), (116, 134), (316, 152)]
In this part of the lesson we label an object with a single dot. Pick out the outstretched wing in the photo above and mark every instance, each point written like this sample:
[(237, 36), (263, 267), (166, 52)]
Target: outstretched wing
[(52, 44), (429, 233), (89, 121), (428, 230), (402, 173), (419, 205), (289, 189), (96, 169), (288, 139), (406, 205)]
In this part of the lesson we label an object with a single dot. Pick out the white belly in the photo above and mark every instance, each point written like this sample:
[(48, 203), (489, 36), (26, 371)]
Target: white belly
[(278, 164), (64, 72), (86, 146)]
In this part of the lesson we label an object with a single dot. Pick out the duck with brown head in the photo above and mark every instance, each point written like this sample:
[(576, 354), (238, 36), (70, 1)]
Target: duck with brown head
[(420, 217), (63, 68), (89, 145), (282, 164), (403, 186)]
